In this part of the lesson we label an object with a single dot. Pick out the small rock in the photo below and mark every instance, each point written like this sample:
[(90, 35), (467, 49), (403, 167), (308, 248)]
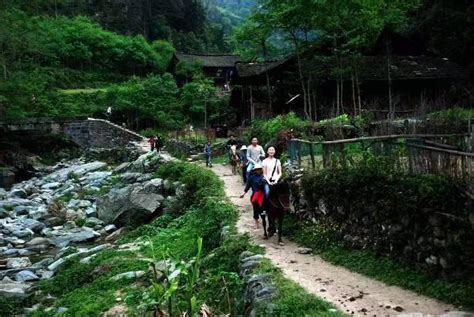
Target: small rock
[(115, 235), (121, 168), (93, 222), (39, 241), (33, 225), (10, 288), (53, 185), (25, 252), (3, 213), (18, 263), (91, 212), (110, 228), (61, 310), (304, 250), (256, 257), (128, 275), (54, 221), (18, 192), (26, 276), (69, 225), (21, 210), (398, 308), (47, 275), (22, 233)]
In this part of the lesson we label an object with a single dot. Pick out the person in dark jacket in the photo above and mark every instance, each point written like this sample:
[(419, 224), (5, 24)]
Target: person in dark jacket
[(244, 162), (208, 154), (158, 143), (257, 183)]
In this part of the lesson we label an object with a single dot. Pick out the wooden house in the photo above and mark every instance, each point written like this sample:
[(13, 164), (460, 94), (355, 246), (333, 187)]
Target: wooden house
[(416, 84), (219, 68)]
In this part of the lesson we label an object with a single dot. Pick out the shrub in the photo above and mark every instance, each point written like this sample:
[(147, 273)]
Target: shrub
[(269, 130), (373, 206)]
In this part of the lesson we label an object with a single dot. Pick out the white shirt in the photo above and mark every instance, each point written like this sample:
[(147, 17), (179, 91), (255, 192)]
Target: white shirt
[(270, 165)]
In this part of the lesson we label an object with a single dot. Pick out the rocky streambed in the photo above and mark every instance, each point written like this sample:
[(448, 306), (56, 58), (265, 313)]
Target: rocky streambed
[(77, 210)]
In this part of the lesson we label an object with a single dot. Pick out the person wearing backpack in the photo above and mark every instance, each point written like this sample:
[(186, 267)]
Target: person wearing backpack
[(271, 172)]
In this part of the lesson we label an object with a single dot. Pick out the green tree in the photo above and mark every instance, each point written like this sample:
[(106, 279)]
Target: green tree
[(201, 101)]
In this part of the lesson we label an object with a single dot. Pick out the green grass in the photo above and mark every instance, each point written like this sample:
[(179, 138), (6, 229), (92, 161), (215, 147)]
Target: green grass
[(8, 207), (81, 91), (87, 289), (325, 243), (292, 299), (222, 159)]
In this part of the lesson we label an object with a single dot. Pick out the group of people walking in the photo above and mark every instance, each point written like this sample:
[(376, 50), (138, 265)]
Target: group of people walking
[(156, 143), (262, 173)]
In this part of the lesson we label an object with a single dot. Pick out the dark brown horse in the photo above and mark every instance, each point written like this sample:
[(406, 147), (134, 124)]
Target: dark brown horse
[(278, 203)]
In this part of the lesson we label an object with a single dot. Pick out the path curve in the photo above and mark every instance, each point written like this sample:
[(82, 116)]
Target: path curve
[(351, 292)]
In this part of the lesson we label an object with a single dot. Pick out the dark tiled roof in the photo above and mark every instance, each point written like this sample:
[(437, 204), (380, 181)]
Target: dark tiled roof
[(372, 67), (410, 67), (255, 69), (209, 60)]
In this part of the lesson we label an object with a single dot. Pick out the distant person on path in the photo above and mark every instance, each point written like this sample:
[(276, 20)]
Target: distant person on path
[(109, 113), (257, 183), (293, 147), (255, 153), (208, 153), (158, 143), (152, 142), (244, 162)]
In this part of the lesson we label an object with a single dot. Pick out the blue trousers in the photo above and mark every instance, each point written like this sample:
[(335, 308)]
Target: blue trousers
[(249, 170)]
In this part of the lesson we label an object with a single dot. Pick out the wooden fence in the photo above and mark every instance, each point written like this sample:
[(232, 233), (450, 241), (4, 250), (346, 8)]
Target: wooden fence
[(446, 154)]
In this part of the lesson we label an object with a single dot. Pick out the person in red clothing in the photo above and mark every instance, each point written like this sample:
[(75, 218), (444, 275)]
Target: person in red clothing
[(152, 141), (256, 182)]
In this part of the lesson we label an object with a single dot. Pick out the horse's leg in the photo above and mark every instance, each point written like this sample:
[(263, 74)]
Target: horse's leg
[(280, 224), (264, 225), (271, 227)]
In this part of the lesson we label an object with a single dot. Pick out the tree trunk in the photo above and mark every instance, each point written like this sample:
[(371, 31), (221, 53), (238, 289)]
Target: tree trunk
[(300, 70), (342, 94), (337, 97), (309, 99), (358, 91), (353, 95), (389, 78), (252, 108), (315, 107), (269, 93)]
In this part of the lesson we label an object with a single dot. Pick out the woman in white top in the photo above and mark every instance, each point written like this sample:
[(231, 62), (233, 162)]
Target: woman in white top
[(271, 171)]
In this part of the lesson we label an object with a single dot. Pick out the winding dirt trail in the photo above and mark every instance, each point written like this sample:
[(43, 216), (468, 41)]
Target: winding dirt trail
[(352, 293)]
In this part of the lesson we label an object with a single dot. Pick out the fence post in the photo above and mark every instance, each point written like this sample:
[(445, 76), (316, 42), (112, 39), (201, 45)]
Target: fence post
[(311, 154), (326, 155)]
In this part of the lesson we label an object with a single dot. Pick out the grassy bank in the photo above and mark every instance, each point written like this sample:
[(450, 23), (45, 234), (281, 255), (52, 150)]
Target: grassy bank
[(88, 289), (324, 243)]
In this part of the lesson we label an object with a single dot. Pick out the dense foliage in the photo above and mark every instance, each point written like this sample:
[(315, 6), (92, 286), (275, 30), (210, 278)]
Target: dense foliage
[(88, 289), (374, 205), (63, 58), (184, 23)]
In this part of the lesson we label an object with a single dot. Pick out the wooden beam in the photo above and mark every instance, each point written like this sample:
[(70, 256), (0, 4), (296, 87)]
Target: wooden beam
[(384, 137), (432, 148)]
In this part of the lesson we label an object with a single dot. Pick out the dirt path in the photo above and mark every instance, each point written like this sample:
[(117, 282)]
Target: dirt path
[(352, 293)]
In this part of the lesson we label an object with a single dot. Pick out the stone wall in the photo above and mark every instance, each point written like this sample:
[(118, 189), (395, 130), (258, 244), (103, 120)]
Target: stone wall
[(86, 132), (96, 133), (396, 221)]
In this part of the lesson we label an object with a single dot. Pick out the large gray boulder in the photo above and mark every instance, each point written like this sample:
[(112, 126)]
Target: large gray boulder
[(146, 163), (129, 206), (77, 170), (76, 235), (9, 288)]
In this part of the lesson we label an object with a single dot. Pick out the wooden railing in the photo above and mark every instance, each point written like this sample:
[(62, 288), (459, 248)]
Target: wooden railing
[(417, 153)]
